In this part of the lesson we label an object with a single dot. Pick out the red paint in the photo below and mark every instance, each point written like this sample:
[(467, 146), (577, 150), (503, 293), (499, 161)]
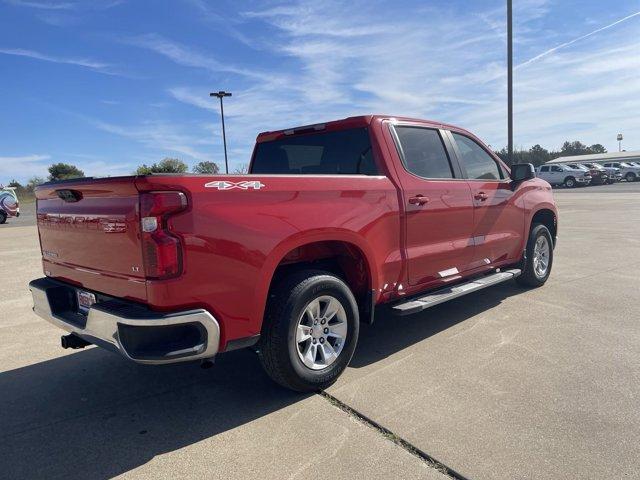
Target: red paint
[(233, 240)]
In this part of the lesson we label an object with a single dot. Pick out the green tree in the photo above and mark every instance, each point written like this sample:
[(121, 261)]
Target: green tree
[(206, 168), (574, 148), (33, 183), (167, 165), (63, 171), (597, 148)]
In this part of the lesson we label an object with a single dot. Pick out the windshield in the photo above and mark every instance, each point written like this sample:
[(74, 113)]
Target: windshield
[(340, 152), (8, 191)]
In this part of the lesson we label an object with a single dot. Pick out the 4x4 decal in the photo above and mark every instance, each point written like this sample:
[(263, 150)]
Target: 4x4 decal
[(244, 185)]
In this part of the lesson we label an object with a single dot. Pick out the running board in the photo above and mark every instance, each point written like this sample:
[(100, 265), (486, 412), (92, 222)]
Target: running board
[(449, 293)]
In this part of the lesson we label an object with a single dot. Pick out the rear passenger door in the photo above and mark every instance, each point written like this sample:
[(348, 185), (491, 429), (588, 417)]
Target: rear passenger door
[(438, 206), (557, 175), (544, 173), (498, 221)]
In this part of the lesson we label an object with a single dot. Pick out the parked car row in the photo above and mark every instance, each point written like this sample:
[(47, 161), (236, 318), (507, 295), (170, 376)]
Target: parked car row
[(573, 175)]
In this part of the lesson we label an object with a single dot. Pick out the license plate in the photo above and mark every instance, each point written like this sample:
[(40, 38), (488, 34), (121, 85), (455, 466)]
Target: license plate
[(85, 300)]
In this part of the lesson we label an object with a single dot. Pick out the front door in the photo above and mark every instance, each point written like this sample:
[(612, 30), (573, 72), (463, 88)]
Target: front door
[(498, 224), (438, 207)]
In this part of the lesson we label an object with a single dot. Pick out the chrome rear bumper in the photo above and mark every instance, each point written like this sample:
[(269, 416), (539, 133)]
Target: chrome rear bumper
[(137, 333)]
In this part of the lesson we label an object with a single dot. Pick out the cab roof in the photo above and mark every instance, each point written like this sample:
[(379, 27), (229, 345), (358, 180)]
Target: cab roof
[(349, 122)]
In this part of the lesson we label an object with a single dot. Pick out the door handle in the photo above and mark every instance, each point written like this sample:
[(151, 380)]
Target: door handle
[(481, 196), (418, 200)]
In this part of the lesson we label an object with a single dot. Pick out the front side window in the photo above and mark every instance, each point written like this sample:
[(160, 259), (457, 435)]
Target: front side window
[(340, 152), (556, 169), (477, 162), (423, 152)]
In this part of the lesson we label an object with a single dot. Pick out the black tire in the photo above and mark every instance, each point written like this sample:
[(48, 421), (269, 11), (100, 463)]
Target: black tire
[(3, 217), (529, 276), (630, 177), (569, 182), (278, 348)]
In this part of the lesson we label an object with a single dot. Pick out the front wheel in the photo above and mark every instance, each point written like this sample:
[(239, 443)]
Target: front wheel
[(569, 182), (630, 177), (310, 331), (3, 217), (539, 257)]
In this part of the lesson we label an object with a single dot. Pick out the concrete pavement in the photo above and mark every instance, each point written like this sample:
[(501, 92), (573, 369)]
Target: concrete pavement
[(89, 414), (507, 383)]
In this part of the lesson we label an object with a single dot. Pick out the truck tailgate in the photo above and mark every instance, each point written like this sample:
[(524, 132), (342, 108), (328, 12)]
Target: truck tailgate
[(90, 235)]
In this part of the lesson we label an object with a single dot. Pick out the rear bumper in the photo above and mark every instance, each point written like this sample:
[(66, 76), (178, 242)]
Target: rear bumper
[(137, 333)]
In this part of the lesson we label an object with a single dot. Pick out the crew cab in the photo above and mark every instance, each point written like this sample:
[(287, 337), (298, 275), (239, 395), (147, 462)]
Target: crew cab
[(562, 174), (332, 220), (630, 173)]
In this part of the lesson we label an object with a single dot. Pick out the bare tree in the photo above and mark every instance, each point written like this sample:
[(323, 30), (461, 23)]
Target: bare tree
[(241, 169)]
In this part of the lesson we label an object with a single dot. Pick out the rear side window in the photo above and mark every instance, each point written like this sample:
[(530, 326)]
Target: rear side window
[(544, 169), (476, 161), (423, 152), (341, 152)]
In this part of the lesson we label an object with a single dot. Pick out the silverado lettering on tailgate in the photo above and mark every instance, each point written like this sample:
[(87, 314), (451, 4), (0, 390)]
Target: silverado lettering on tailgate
[(112, 224)]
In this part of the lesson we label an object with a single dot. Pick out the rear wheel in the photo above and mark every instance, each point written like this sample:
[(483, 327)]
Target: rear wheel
[(310, 331), (569, 182), (539, 259), (3, 217)]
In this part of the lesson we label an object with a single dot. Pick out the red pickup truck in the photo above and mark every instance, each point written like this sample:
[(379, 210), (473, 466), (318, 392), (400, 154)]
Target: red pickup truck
[(332, 220)]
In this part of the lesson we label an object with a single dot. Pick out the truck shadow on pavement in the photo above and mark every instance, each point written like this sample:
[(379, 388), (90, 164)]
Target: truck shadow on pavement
[(90, 414)]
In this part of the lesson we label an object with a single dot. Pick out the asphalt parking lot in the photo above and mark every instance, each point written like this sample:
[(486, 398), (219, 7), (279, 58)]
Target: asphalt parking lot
[(502, 384)]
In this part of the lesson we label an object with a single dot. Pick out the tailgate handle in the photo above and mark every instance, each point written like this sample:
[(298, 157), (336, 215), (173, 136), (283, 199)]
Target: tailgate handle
[(69, 195)]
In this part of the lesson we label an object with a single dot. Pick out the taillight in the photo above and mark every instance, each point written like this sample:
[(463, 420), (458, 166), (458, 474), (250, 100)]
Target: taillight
[(161, 250)]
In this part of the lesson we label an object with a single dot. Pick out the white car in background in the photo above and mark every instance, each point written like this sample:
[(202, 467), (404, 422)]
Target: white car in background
[(630, 173), (560, 174)]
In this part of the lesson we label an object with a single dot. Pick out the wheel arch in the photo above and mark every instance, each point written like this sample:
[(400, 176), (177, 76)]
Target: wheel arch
[(342, 253), (548, 218)]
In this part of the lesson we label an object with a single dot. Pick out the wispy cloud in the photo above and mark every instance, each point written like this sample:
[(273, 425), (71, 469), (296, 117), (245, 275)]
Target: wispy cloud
[(42, 5), (575, 40), (81, 62), (161, 137), (188, 56), (339, 59), (24, 159), (22, 167)]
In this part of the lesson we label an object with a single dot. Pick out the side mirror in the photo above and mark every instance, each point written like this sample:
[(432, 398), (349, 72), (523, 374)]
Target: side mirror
[(521, 172)]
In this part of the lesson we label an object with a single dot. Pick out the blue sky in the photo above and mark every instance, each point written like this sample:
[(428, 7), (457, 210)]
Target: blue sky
[(108, 85)]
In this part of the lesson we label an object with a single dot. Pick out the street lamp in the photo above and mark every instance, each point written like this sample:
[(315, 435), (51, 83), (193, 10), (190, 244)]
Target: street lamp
[(220, 95), (510, 80), (619, 137)]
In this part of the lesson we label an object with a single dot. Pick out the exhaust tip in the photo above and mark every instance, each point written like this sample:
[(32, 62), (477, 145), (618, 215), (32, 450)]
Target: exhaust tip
[(73, 341), (206, 364)]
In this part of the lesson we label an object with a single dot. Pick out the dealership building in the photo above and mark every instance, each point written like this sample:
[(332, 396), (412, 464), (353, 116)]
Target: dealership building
[(600, 157)]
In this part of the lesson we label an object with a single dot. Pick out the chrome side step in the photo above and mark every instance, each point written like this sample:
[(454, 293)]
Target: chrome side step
[(449, 293)]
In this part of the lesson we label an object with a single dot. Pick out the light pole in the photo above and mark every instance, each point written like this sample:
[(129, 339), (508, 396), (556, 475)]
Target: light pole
[(510, 80), (619, 137), (220, 95)]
